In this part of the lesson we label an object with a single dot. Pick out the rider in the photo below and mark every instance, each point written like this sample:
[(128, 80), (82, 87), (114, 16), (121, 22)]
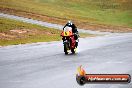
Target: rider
[(74, 30)]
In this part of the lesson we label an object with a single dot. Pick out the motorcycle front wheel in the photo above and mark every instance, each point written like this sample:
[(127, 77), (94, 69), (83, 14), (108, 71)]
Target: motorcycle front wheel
[(66, 48)]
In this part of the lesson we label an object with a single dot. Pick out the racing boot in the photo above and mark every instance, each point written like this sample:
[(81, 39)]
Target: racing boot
[(77, 43)]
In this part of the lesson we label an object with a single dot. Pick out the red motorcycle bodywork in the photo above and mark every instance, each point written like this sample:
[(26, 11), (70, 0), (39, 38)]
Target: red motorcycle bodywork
[(73, 41), (71, 37)]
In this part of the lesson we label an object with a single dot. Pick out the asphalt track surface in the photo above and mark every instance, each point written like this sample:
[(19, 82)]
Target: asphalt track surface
[(44, 65)]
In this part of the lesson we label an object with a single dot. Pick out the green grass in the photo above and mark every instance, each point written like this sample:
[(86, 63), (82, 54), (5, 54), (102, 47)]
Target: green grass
[(33, 39), (109, 12), (7, 24)]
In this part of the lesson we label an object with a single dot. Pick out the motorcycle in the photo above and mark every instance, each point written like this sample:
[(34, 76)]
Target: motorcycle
[(68, 40)]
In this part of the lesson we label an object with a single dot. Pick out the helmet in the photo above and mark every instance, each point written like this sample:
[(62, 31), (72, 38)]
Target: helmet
[(69, 23)]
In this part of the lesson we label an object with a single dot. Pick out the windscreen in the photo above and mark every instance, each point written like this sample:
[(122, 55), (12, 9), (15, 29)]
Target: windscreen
[(67, 29)]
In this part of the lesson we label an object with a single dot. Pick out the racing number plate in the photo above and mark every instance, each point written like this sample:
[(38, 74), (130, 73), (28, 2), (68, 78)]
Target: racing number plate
[(66, 33)]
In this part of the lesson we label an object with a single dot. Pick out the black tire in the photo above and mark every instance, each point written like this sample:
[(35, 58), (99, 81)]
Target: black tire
[(66, 53), (65, 48), (73, 51)]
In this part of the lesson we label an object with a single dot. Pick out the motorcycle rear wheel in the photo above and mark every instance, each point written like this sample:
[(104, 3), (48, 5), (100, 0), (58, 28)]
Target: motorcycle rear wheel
[(73, 51)]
